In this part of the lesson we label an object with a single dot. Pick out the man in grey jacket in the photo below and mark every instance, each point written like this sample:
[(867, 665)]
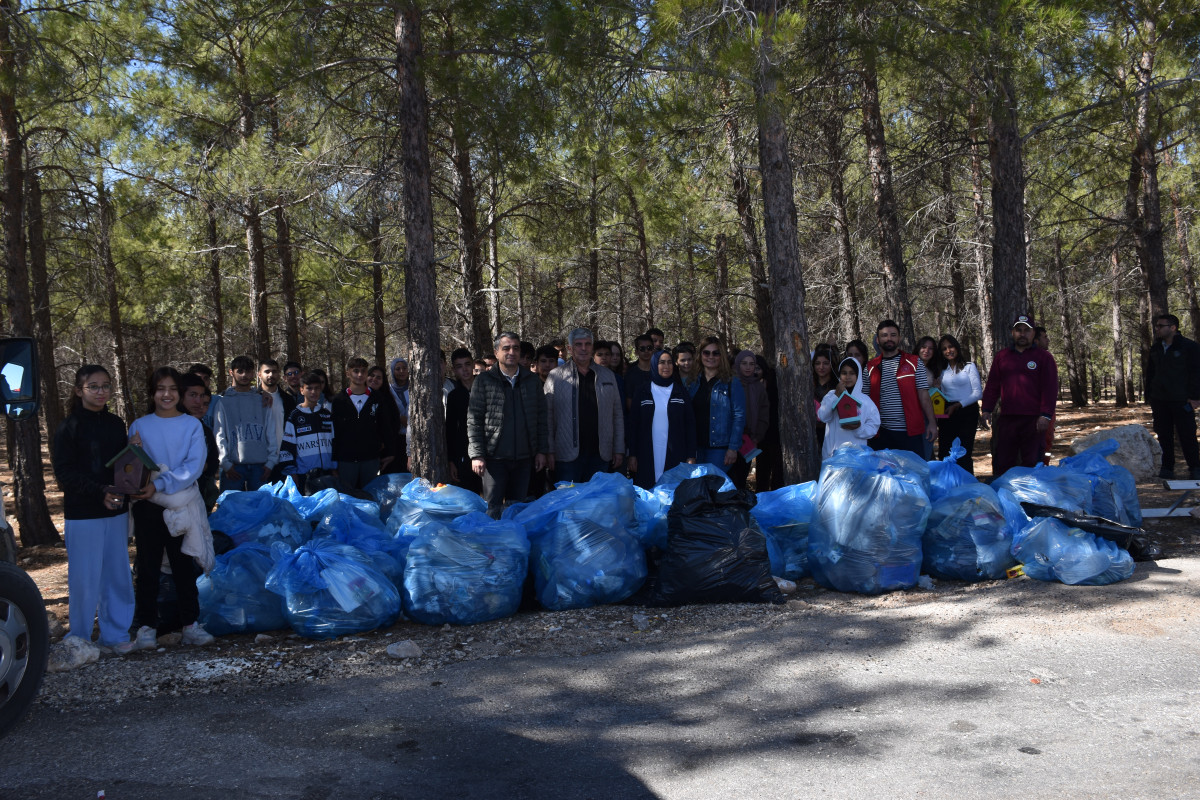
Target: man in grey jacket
[(585, 415), (245, 431)]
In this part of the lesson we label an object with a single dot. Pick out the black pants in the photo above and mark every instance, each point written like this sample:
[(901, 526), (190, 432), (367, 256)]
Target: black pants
[(1171, 419), (152, 538), (961, 425), (898, 440), (505, 481)]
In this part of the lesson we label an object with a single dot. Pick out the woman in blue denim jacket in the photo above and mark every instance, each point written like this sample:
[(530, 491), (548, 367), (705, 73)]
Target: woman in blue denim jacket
[(720, 406)]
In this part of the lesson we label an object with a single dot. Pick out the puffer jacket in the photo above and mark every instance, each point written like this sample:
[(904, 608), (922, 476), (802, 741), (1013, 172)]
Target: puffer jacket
[(485, 414), (562, 409)]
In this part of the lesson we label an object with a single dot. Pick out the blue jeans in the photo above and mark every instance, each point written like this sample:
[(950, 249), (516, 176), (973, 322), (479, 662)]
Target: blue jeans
[(250, 481), (98, 577), (579, 470), (714, 456)]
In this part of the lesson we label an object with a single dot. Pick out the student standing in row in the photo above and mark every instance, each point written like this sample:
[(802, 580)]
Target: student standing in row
[(362, 444), (307, 450), (719, 405)]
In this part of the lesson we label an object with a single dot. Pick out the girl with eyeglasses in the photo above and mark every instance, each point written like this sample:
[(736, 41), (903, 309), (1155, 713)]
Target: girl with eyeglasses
[(719, 404), (97, 523)]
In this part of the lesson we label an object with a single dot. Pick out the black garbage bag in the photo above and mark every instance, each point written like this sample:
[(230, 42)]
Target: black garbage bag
[(716, 553)]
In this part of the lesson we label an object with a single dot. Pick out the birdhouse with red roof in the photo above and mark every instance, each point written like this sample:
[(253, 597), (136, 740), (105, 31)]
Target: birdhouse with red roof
[(847, 410)]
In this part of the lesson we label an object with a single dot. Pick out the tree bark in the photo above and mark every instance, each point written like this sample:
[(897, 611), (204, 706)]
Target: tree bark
[(891, 251), (797, 431), (377, 322), (1118, 338), (1076, 378), (51, 400), (980, 248), (1148, 233), (427, 422), (29, 484), (214, 277), (470, 260), (1009, 296), (851, 324), (124, 387), (958, 287), (255, 250), (593, 284), (643, 255), (495, 320), (724, 312), (749, 229), (1185, 262), (287, 268)]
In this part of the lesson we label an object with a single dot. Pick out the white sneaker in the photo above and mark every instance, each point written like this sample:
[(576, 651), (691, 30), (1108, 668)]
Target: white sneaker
[(195, 634), (147, 638), (120, 648), (71, 653)]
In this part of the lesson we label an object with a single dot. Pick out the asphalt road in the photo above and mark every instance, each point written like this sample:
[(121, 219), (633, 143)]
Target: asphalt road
[(1026, 690)]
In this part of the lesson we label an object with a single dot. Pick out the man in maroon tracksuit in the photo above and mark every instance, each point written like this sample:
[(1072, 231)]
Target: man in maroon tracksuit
[(1024, 378)]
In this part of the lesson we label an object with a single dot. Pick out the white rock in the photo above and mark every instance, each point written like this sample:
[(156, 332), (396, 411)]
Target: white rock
[(263, 638), (1138, 451), (641, 622), (406, 649)]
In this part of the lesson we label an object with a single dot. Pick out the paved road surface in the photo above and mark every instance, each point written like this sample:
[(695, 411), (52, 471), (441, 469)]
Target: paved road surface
[(1024, 690)]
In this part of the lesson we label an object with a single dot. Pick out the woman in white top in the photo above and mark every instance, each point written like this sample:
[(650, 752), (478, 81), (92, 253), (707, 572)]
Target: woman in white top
[(963, 390)]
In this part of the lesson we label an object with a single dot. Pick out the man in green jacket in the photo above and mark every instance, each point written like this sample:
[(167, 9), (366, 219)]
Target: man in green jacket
[(1173, 391), (506, 427)]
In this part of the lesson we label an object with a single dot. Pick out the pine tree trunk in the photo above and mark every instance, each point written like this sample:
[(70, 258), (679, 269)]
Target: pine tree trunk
[(983, 298), (891, 252), (52, 405), (377, 322), (1076, 379), (29, 484), (495, 320), (1009, 297), (287, 268), (797, 432), (256, 257), (643, 255), (958, 287), (749, 228), (724, 313), (1118, 336), (470, 257), (214, 277), (124, 386), (1149, 234), (851, 324), (593, 284), (427, 421)]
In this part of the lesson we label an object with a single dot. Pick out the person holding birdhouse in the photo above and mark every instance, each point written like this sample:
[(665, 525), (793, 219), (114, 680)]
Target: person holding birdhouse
[(850, 416)]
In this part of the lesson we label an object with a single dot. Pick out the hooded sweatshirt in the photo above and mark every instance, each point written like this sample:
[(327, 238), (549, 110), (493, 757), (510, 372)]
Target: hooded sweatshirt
[(868, 414)]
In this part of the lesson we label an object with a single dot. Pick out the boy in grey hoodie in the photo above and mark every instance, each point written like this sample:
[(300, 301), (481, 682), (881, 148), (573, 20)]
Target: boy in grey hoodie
[(245, 431)]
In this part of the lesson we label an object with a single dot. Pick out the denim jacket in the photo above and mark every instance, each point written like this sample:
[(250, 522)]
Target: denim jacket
[(726, 414)]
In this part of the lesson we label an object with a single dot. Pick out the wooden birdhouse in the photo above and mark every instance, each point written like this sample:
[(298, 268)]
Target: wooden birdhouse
[(131, 469), (939, 403), (847, 409)]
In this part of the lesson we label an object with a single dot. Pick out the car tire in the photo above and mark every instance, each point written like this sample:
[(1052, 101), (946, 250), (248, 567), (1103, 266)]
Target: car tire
[(24, 644)]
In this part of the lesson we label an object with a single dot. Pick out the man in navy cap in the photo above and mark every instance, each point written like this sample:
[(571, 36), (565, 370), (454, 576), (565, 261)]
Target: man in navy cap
[(1024, 380)]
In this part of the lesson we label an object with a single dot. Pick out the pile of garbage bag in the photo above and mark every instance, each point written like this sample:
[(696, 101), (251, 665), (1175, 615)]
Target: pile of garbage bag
[(1050, 550), (351, 525), (871, 511), (1114, 493), (234, 597), (331, 589), (970, 532), (472, 570), (259, 517), (784, 516), (716, 552), (442, 503)]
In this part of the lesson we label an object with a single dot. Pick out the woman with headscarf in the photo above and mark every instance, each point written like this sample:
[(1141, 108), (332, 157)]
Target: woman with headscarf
[(758, 414), (661, 428)]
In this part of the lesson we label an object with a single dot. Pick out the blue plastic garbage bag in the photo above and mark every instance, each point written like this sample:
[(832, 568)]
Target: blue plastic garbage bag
[(968, 537), (351, 525), (946, 474), (259, 517), (651, 518), (1070, 490), (902, 461), (330, 589), (578, 561), (1050, 550), (234, 597), (385, 490), (443, 503), (472, 570), (679, 473), (785, 515), (1114, 495), (871, 511)]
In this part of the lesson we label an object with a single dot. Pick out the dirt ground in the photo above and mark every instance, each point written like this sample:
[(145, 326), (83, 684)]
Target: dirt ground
[(1177, 537)]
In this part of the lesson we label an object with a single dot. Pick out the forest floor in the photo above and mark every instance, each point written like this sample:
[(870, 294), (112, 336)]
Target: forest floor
[(284, 658)]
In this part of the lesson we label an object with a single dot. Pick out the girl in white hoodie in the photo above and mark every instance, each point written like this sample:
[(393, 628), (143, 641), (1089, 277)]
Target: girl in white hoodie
[(856, 433)]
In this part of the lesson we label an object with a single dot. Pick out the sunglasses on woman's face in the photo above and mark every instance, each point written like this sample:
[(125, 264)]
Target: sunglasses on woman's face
[(712, 353)]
